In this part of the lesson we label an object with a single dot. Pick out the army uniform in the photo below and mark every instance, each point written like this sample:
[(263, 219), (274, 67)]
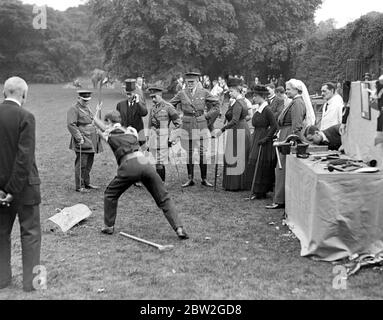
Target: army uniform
[(161, 116), (79, 123), (200, 109)]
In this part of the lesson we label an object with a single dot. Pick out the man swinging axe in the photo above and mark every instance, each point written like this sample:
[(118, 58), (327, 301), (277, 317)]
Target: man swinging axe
[(133, 167)]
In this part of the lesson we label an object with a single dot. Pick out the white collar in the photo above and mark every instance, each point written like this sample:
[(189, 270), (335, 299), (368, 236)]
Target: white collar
[(233, 101), (261, 107), (13, 100), (272, 98), (323, 136)]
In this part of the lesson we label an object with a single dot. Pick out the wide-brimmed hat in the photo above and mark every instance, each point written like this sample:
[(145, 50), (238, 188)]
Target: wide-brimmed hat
[(234, 82), (259, 89)]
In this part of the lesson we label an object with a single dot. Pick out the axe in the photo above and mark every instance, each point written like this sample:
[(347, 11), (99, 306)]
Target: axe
[(158, 246)]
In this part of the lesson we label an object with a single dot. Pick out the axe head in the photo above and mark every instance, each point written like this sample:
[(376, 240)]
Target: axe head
[(166, 247)]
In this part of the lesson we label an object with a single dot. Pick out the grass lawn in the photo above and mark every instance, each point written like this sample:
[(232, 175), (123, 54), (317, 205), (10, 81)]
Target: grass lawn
[(245, 258)]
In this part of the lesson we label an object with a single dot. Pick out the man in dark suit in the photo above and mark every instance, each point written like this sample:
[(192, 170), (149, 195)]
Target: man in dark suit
[(276, 104), (330, 137), (19, 184), (133, 109)]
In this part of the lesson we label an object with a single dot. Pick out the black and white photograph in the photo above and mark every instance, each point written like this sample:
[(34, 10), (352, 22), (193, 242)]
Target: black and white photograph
[(202, 154)]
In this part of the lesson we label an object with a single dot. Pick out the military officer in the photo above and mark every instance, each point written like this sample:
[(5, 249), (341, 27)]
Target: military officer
[(85, 141), (160, 138), (200, 109), (133, 109)]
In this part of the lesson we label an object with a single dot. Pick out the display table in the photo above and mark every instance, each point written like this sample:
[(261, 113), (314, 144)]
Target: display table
[(334, 215)]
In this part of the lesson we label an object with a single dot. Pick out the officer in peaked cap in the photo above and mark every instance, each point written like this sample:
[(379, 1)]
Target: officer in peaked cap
[(84, 142), (85, 95), (160, 136), (133, 109), (200, 109)]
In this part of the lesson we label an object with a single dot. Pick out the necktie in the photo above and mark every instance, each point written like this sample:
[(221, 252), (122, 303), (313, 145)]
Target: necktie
[(325, 107)]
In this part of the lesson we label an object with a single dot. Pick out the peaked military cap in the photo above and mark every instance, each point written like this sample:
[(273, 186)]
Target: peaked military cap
[(155, 90), (189, 75), (130, 85), (85, 94)]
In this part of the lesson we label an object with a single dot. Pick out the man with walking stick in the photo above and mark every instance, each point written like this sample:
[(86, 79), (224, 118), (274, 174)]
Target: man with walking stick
[(84, 141)]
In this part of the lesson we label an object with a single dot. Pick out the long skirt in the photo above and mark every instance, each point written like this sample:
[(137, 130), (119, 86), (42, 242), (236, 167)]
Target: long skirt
[(235, 175), (262, 180)]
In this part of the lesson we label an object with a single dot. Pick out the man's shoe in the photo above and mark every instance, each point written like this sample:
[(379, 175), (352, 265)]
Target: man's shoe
[(107, 230), (190, 183), (182, 234), (82, 190), (206, 183), (275, 206), (91, 187)]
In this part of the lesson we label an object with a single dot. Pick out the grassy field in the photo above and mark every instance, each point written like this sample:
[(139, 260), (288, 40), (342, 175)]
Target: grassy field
[(235, 252)]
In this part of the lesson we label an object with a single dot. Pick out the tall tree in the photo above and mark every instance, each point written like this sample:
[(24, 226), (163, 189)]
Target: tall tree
[(216, 36)]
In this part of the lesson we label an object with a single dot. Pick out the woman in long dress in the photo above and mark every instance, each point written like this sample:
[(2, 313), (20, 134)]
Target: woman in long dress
[(292, 120), (265, 126), (235, 177)]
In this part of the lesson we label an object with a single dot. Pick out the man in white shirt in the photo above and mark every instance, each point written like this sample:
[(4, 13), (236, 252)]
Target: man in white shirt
[(333, 108)]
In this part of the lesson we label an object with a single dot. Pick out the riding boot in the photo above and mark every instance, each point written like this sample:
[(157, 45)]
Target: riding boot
[(204, 182), (190, 182), (161, 172)]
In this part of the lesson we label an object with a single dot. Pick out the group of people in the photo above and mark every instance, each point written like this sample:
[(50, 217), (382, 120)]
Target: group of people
[(189, 118)]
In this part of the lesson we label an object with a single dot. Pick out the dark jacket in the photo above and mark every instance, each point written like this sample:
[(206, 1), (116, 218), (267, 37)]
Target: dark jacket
[(334, 137), (131, 116), (18, 171), (276, 106)]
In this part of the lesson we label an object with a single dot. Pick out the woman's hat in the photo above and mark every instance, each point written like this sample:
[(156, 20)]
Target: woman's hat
[(234, 82), (259, 89)]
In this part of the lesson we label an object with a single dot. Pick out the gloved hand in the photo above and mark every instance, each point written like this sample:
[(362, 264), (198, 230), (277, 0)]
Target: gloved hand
[(263, 141)]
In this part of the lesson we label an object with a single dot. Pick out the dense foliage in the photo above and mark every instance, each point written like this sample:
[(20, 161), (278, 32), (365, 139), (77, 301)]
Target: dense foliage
[(63, 51), (163, 37), (324, 57)]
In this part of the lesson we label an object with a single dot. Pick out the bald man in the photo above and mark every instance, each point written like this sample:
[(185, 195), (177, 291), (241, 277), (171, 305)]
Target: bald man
[(19, 184)]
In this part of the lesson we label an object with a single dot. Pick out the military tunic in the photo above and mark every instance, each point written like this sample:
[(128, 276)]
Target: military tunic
[(79, 123), (161, 116)]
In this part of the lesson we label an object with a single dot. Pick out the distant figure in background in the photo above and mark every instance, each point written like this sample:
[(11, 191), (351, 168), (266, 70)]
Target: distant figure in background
[(180, 84), (281, 82), (330, 137), (19, 184), (257, 82), (77, 83), (206, 82), (275, 103), (274, 81), (333, 108), (140, 87), (84, 141)]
